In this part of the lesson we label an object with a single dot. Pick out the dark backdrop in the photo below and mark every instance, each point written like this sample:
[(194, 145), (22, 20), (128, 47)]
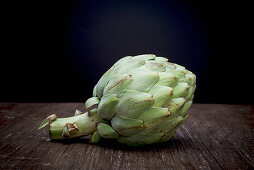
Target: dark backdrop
[(55, 51)]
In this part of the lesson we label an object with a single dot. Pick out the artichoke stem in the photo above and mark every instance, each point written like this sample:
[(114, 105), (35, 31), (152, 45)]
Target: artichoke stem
[(72, 127)]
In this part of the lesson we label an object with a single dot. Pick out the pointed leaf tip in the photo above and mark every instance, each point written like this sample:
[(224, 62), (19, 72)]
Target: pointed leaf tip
[(43, 124), (47, 121), (78, 112)]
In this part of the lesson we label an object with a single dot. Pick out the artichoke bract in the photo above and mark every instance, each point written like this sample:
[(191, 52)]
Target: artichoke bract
[(140, 100)]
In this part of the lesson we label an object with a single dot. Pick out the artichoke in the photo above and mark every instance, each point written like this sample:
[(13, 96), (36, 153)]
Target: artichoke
[(140, 100)]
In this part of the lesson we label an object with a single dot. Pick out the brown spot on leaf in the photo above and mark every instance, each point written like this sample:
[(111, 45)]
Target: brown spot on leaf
[(71, 127)]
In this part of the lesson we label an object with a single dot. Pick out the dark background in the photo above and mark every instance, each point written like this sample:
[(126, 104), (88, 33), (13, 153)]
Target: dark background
[(55, 51)]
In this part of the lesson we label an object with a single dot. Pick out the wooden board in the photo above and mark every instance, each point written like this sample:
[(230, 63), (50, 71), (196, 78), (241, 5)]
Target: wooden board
[(214, 137)]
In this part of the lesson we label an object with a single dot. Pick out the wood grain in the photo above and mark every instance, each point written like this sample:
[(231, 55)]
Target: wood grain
[(214, 137)]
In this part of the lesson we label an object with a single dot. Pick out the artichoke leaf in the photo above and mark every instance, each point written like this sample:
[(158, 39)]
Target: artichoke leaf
[(143, 80), (154, 114), (91, 102), (161, 59), (106, 131), (180, 90), (190, 93), (94, 113), (94, 91), (175, 124), (175, 105), (118, 84), (128, 66), (133, 104), (161, 95), (189, 78), (180, 74), (107, 106), (167, 79), (95, 137), (154, 66), (122, 60), (191, 98), (167, 137), (126, 141), (102, 82), (146, 138), (165, 127), (170, 66), (126, 126), (146, 56), (185, 108), (180, 68)]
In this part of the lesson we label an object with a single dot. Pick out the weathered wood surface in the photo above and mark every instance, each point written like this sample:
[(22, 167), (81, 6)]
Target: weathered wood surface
[(214, 137)]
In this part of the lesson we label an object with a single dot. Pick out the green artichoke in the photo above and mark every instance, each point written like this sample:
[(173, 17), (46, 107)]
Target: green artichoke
[(140, 100)]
